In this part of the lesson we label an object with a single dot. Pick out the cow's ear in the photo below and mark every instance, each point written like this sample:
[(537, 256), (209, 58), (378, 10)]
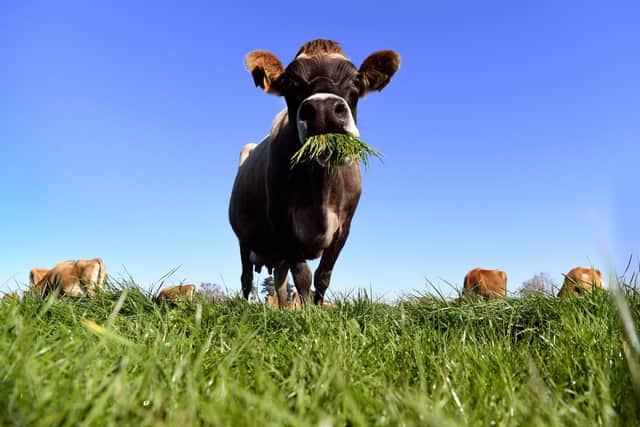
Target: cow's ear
[(265, 69), (376, 71)]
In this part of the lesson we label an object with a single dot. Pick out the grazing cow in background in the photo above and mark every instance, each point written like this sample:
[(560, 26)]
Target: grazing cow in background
[(177, 293), (282, 216), (271, 301), (72, 278), (295, 303), (488, 284), (580, 281), (36, 285)]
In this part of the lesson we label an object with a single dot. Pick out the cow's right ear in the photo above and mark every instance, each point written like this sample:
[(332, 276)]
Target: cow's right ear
[(265, 69)]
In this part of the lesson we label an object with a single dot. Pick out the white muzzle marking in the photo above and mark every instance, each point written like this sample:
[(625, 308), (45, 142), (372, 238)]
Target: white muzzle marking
[(350, 124)]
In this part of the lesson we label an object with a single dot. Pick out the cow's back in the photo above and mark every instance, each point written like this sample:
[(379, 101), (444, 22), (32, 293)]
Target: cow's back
[(581, 280), (75, 278), (177, 293), (486, 283)]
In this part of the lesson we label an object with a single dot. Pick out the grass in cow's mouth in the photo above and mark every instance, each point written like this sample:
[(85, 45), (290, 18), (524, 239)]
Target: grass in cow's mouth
[(333, 149)]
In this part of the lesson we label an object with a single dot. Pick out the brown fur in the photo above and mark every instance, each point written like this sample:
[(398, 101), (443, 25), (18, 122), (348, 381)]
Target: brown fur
[(271, 301), (177, 293), (378, 69), (284, 216), (36, 285), (488, 284), (73, 278), (581, 280), (295, 304), (320, 47), (265, 69)]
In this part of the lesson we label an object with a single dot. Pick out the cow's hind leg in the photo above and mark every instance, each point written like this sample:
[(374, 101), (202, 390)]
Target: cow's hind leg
[(280, 278), (247, 272), (301, 278)]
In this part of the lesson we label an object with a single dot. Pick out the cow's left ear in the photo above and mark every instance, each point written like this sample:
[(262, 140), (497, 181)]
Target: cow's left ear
[(265, 68), (376, 71)]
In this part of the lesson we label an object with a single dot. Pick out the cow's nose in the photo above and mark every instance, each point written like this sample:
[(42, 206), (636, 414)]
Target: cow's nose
[(307, 111), (323, 115), (340, 109)]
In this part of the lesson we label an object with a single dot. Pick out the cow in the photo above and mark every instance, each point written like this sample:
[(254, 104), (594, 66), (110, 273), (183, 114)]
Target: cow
[(177, 293), (295, 303), (36, 285), (271, 302), (284, 216), (489, 284), (74, 278), (580, 281)]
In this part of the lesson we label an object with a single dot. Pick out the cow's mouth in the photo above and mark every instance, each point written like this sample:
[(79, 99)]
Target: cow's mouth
[(333, 150)]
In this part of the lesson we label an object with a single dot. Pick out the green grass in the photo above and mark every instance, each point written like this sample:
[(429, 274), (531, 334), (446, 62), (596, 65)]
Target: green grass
[(333, 150), (531, 361)]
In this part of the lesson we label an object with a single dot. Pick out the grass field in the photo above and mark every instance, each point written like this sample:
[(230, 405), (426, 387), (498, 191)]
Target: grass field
[(121, 360)]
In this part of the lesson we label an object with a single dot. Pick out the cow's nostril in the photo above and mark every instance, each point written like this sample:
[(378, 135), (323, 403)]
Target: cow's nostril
[(340, 109), (307, 111)]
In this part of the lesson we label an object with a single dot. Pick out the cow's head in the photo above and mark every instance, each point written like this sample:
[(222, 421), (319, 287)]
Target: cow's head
[(321, 86)]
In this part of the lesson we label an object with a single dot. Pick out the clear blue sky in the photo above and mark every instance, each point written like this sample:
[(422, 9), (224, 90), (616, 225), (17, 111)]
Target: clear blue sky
[(511, 135)]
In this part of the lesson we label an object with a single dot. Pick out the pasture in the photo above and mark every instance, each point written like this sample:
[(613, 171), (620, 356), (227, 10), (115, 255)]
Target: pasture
[(119, 359)]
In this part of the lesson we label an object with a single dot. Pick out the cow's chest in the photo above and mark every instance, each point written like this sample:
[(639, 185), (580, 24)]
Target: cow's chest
[(314, 226)]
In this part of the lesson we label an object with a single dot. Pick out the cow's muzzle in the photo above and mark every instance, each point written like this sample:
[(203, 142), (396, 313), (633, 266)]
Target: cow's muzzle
[(325, 113)]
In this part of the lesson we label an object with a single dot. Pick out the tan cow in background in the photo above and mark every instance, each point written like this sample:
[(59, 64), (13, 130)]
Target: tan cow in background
[(177, 293), (295, 303), (580, 281), (488, 284), (271, 302), (74, 278), (36, 285)]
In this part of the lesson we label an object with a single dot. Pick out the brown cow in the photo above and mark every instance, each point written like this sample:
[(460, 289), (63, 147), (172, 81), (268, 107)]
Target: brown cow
[(489, 284), (282, 216), (36, 285), (295, 303), (72, 278), (580, 281), (271, 301), (177, 293)]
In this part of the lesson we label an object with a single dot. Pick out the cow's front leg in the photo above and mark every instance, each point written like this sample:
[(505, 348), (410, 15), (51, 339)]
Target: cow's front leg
[(280, 282), (247, 272), (301, 278), (322, 276)]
